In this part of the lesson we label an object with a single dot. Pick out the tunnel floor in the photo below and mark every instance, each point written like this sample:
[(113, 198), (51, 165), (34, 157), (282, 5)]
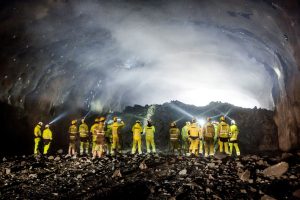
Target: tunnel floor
[(150, 177)]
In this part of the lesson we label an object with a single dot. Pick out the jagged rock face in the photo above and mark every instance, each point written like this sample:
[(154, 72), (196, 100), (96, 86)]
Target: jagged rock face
[(52, 58)]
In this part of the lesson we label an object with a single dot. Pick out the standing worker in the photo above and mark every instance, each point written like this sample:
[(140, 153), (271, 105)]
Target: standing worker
[(233, 141), (115, 129), (93, 133), (137, 137), (100, 141), (37, 137), (174, 138), (216, 145), (72, 138), (208, 135), (194, 135), (47, 138), (84, 137), (149, 130), (223, 133), (108, 137), (185, 138)]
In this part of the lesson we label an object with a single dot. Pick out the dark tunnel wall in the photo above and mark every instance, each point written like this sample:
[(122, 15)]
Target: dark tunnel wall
[(38, 83)]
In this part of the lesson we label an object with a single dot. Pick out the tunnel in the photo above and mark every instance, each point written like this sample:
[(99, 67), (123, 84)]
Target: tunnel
[(63, 60)]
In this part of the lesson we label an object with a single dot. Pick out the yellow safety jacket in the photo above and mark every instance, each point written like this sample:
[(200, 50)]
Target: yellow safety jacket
[(194, 130), (223, 130), (115, 128), (149, 131), (234, 132), (94, 134), (137, 130), (208, 130), (83, 130), (37, 131), (174, 134), (73, 132), (47, 134), (184, 132)]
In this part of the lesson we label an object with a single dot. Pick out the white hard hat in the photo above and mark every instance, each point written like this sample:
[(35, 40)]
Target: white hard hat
[(47, 126), (40, 123), (232, 122)]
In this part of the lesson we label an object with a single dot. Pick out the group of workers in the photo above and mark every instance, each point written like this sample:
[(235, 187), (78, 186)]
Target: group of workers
[(104, 138)]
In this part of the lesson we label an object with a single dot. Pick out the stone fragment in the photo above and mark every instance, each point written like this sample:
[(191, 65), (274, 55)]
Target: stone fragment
[(32, 176), (117, 173), (57, 158), (79, 176), (267, 197), (297, 194), (286, 155), (143, 165), (4, 159), (244, 176), (60, 151), (276, 170), (183, 172), (50, 158), (7, 171)]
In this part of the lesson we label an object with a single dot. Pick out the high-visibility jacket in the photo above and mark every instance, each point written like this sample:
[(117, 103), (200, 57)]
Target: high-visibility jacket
[(194, 130), (174, 133), (47, 134), (73, 132), (137, 130), (234, 132), (184, 132), (83, 130), (149, 131), (93, 128), (223, 130), (37, 131), (208, 130), (115, 128)]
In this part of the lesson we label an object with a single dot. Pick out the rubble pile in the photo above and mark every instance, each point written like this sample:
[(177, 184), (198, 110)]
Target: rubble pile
[(150, 177)]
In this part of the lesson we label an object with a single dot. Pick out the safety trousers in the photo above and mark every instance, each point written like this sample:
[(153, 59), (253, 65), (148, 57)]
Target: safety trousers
[(194, 146), (223, 142), (236, 146), (185, 145), (37, 141), (174, 145), (137, 142), (150, 144), (84, 145), (94, 137), (46, 146), (209, 146), (115, 144), (201, 146)]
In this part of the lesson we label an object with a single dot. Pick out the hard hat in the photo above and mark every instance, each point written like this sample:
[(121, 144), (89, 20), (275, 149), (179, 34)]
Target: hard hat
[(115, 119), (222, 118), (74, 122), (97, 120), (232, 122), (193, 120), (138, 121), (102, 119), (208, 119), (149, 120), (188, 123), (82, 120), (47, 126), (173, 124), (40, 123)]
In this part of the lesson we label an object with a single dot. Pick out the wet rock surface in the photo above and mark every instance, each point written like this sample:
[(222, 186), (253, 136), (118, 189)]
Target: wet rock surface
[(148, 177)]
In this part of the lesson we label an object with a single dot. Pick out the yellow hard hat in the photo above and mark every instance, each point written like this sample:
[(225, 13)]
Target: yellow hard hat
[(208, 119), (74, 122), (102, 119), (115, 119), (97, 120), (138, 121), (222, 118), (82, 120), (173, 124)]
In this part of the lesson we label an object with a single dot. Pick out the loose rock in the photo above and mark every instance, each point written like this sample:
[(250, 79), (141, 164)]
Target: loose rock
[(276, 170)]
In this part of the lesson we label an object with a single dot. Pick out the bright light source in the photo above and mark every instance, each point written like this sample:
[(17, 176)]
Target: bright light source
[(200, 121)]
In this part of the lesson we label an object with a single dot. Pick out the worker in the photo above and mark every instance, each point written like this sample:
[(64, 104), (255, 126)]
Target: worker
[(208, 132), (216, 144), (93, 133), (137, 137), (149, 130), (100, 140), (108, 137), (174, 138), (37, 137), (223, 134), (100, 128), (115, 129), (233, 141), (47, 138), (72, 138), (185, 138), (194, 135), (84, 137)]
